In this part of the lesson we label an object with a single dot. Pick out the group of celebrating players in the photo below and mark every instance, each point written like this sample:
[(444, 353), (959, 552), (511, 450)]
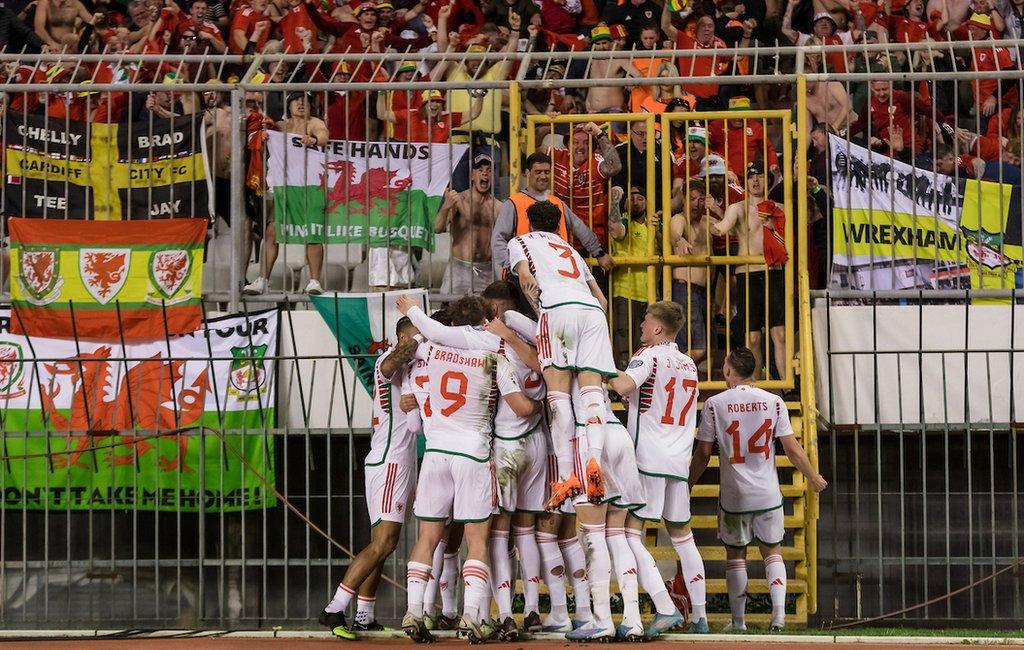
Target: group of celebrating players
[(566, 489)]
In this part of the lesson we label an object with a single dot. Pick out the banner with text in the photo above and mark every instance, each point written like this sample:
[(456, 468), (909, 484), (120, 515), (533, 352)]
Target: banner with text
[(376, 193), (899, 227), (78, 170), (109, 401)]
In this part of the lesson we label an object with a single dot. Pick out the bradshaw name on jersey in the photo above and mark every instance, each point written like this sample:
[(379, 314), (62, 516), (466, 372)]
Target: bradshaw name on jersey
[(663, 409), (458, 391), (745, 421), (561, 273), (391, 435)]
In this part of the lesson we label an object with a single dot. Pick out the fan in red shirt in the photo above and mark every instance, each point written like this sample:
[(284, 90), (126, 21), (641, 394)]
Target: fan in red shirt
[(742, 141), (697, 66), (987, 57), (580, 177), (250, 28), (429, 122), (346, 109), (889, 112), (464, 12), (825, 31), (912, 27), (200, 29)]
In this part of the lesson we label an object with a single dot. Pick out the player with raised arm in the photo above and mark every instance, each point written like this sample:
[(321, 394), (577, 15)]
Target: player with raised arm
[(457, 391), (390, 465), (573, 342), (744, 421), (660, 383)]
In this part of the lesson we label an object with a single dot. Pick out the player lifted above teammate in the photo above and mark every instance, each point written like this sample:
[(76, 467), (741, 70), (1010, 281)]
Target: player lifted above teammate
[(744, 421), (572, 342), (660, 383)]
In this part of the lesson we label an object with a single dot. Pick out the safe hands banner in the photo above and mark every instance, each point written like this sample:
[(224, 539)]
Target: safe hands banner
[(898, 227)]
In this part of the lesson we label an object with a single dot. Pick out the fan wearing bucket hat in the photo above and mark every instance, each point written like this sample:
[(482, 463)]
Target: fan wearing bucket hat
[(696, 150), (399, 100), (742, 140), (825, 31), (760, 291), (989, 58), (430, 122)]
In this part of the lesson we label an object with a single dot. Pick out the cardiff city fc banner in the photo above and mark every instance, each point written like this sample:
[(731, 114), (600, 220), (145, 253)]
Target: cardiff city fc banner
[(899, 227), (79, 170), (54, 391), (99, 279), (364, 324), (380, 193)]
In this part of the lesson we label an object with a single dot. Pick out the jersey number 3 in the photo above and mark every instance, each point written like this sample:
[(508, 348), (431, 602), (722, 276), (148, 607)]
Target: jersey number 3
[(566, 252), (754, 447)]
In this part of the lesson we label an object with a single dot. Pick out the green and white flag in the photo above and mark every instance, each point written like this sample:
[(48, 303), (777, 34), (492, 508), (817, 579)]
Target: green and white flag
[(377, 193), (364, 324)]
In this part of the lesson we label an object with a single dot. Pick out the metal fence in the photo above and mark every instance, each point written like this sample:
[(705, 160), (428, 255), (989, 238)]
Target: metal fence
[(891, 535)]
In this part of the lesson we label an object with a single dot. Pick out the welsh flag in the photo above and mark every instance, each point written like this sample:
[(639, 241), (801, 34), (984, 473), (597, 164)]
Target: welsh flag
[(106, 279), (364, 324), (377, 193)]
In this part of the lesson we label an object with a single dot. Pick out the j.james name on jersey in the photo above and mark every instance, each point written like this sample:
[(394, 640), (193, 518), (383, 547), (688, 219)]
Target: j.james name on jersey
[(747, 407), (455, 357)]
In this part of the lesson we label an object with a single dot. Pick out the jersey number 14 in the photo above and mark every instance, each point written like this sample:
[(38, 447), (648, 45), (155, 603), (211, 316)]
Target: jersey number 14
[(754, 446)]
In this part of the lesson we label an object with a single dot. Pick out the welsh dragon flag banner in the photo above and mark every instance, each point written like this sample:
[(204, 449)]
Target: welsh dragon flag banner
[(106, 403), (364, 324), (102, 279), (380, 193)]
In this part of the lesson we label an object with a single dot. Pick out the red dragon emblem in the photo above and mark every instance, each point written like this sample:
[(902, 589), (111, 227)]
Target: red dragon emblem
[(375, 183), (169, 269), (104, 271), (146, 398)]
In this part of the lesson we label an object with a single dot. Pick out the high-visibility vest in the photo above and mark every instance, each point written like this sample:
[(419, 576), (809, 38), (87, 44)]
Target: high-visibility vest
[(522, 201)]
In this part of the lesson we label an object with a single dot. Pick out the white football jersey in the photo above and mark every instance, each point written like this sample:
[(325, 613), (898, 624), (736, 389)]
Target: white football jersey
[(508, 425), (458, 391), (391, 434), (745, 421), (663, 409), (560, 272)]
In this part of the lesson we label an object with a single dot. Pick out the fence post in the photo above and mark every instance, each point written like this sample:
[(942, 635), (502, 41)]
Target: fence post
[(238, 220)]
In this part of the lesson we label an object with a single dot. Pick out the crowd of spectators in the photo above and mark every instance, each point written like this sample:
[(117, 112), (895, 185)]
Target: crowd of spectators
[(598, 170)]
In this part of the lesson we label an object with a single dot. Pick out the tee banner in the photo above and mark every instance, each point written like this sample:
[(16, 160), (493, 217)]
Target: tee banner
[(81, 170), (59, 394), (899, 227), (376, 193), (364, 324), (104, 279)]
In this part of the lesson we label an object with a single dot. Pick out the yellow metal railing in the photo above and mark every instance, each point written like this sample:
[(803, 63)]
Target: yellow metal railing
[(803, 519)]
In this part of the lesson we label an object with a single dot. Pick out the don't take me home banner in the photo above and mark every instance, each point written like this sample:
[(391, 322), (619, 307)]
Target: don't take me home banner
[(81, 419), (900, 227), (79, 170)]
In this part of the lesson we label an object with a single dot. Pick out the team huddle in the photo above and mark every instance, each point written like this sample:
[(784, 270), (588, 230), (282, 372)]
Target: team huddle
[(526, 463)]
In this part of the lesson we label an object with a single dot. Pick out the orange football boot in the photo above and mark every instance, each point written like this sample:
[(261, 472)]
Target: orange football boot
[(562, 490), (595, 482)]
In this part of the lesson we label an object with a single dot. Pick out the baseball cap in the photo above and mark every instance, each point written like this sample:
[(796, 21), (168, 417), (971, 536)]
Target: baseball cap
[(295, 94), (385, 4), (482, 160), (697, 134), (824, 15), (476, 47), (407, 66), (712, 165), (432, 96), (755, 168), (365, 6), (600, 33)]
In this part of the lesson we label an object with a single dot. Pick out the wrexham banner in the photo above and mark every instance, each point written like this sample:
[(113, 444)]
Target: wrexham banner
[(380, 193), (96, 279), (364, 324), (80, 170), (898, 227), (107, 403)]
